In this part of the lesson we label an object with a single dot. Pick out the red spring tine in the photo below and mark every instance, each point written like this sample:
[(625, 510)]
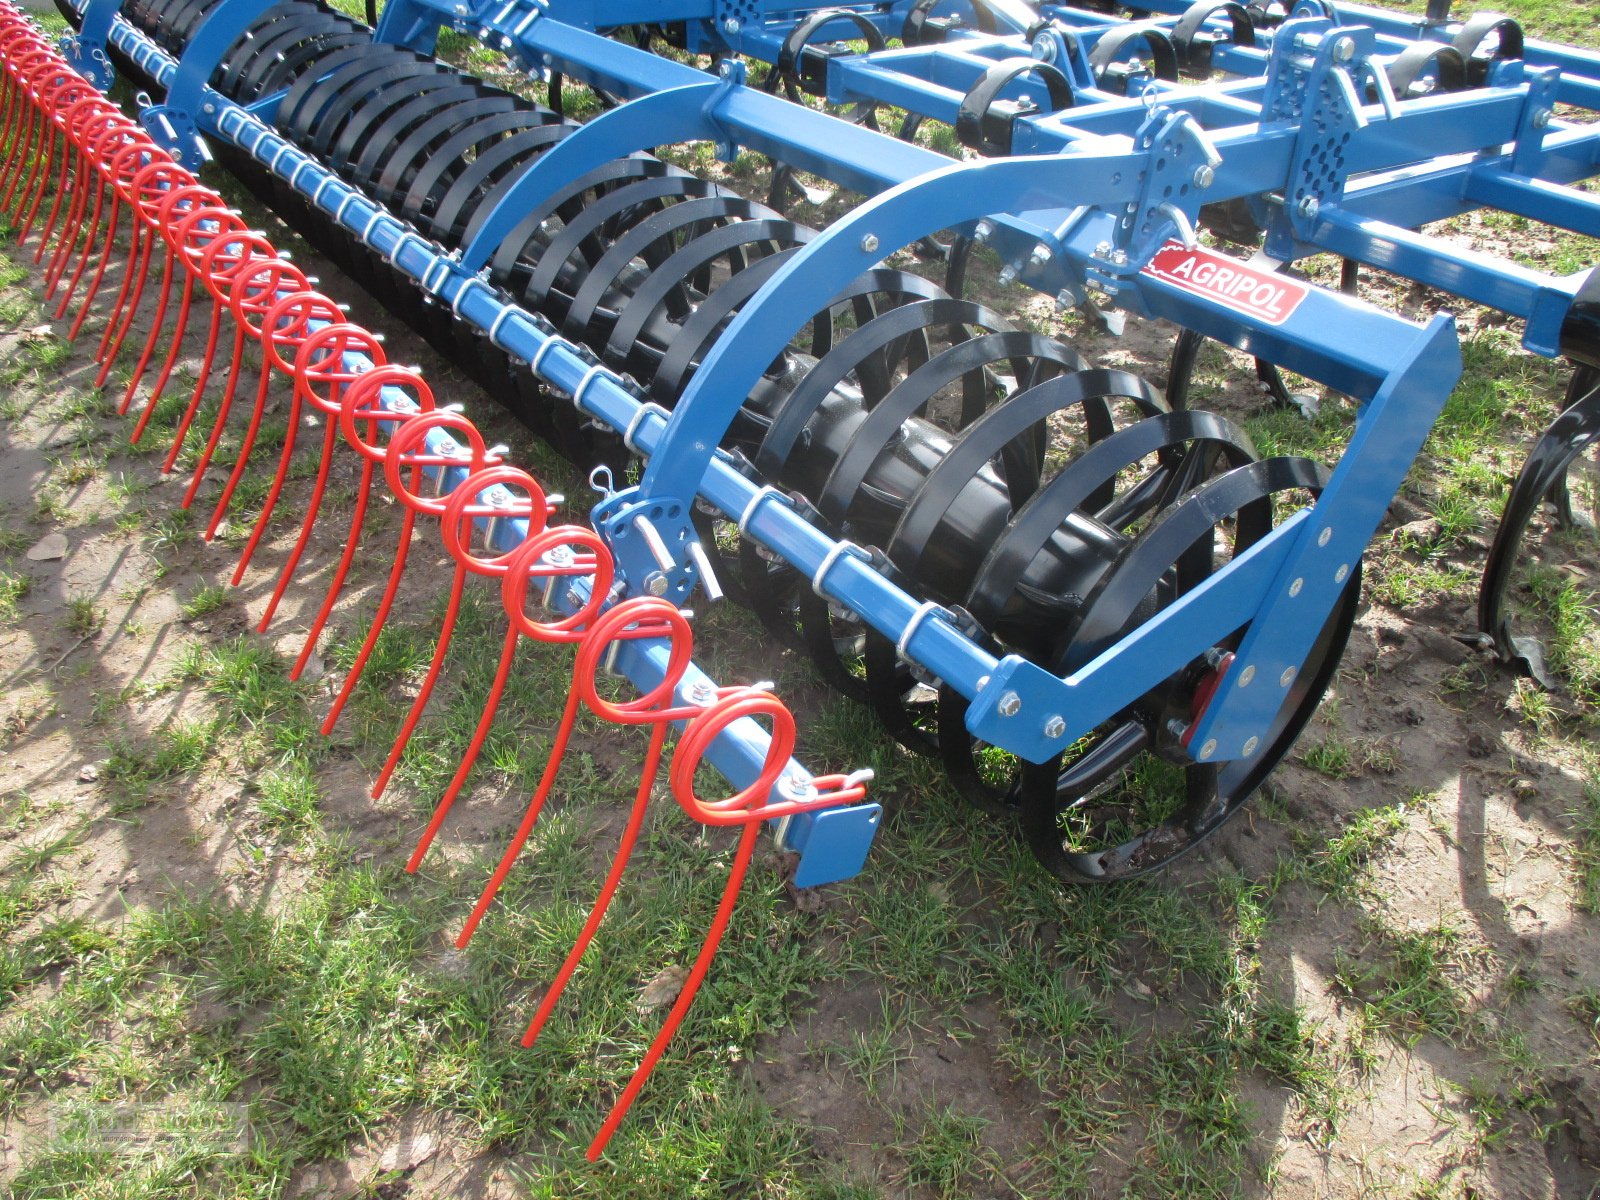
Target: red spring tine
[(90, 138), (176, 204), (326, 358), (585, 682), (58, 91), (367, 394), (66, 103), (548, 557), (286, 324), (223, 258), (640, 617), (15, 43), (23, 155), (462, 512), (38, 69), (251, 290), (406, 452), (191, 234), (747, 809), (120, 160), (149, 185)]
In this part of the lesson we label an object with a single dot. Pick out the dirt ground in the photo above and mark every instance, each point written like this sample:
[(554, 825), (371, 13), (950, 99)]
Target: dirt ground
[(1473, 866)]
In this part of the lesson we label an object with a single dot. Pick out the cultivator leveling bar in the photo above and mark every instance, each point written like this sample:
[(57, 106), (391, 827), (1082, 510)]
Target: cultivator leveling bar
[(1082, 595)]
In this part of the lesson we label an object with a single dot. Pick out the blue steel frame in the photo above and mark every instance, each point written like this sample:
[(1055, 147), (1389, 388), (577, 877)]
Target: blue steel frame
[(1087, 211)]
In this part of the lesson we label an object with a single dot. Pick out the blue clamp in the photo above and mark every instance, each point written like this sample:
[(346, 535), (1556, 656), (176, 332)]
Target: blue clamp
[(653, 544), (86, 50)]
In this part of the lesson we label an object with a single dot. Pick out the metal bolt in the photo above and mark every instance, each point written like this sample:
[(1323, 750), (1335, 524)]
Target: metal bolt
[(1208, 749), (1341, 573), (1054, 727), (1344, 49), (1310, 206), (701, 692), (731, 26), (1247, 676), (869, 243), (1541, 118), (1008, 274), (1102, 250), (1294, 588), (1010, 705), (1042, 254), (1325, 535), (1120, 257), (983, 232), (1043, 49), (656, 583), (1250, 746), (1177, 728), (1204, 176), (1287, 677)]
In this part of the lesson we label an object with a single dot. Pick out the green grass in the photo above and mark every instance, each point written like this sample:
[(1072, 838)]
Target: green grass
[(14, 588)]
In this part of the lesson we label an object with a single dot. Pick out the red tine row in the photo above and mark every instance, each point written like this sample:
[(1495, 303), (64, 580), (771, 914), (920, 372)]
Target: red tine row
[(59, 129)]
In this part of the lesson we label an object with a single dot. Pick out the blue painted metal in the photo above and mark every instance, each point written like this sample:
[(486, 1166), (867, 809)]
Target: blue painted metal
[(898, 216), (175, 123), (86, 49)]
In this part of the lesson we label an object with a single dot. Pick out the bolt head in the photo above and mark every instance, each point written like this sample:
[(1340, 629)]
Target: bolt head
[(1342, 573), (1344, 49), (1208, 749), (1247, 676), (1294, 588), (1204, 176), (1043, 49), (1251, 746), (1042, 254), (983, 231), (869, 243), (1310, 206), (1287, 677), (1102, 250), (1010, 705), (1325, 535), (656, 584), (1541, 119), (1054, 727), (731, 25)]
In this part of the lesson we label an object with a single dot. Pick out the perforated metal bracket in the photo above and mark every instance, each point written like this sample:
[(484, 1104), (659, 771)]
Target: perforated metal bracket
[(86, 49)]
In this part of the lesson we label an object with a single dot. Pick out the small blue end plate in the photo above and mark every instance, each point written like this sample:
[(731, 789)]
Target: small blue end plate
[(833, 844)]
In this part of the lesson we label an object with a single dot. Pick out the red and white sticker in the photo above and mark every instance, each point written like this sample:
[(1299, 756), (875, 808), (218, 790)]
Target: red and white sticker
[(1263, 295)]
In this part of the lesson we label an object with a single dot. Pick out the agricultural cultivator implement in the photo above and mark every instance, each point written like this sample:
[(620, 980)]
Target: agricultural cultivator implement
[(1105, 612)]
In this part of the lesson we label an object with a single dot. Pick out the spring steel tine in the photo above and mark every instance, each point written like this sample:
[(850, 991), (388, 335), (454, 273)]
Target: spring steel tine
[(190, 238), (364, 394), (108, 214), (322, 359), (250, 291), (57, 93), (220, 262), (191, 198), (298, 309), (747, 809), (549, 557), (140, 244), (640, 617), (406, 453), (462, 511), (98, 125), (777, 760)]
